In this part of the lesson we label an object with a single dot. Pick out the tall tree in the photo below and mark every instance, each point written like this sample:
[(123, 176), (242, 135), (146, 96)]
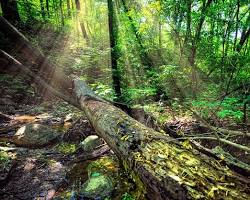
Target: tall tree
[(61, 12), (113, 35), (145, 58), (82, 25), (77, 2), (47, 7), (68, 8), (195, 39), (42, 9)]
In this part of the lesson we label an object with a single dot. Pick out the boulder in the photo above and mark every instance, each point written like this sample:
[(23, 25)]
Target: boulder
[(91, 142), (98, 186), (34, 135)]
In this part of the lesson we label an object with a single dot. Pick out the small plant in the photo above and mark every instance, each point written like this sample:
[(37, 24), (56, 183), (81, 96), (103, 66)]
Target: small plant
[(127, 196), (4, 160), (230, 108), (104, 91), (133, 95)]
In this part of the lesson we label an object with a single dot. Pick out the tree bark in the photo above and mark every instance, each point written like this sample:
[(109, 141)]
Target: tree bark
[(77, 2), (165, 170), (47, 7), (244, 35)]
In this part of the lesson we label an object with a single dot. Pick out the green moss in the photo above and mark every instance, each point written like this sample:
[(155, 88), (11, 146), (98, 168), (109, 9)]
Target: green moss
[(66, 148), (202, 178), (106, 165)]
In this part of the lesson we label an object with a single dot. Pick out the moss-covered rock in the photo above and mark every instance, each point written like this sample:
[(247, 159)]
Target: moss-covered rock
[(98, 186), (91, 142), (34, 135)]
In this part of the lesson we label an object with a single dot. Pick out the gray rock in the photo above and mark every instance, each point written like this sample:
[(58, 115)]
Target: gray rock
[(91, 142), (34, 135), (98, 186), (69, 118)]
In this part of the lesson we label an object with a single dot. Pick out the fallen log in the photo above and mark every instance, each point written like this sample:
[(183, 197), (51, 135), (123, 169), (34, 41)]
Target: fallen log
[(165, 170)]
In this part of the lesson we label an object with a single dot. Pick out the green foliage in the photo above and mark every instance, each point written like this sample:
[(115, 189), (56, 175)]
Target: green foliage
[(4, 160), (16, 85), (230, 113), (34, 13), (133, 95), (173, 77), (127, 196), (158, 111), (230, 108), (156, 30), (104, 91)]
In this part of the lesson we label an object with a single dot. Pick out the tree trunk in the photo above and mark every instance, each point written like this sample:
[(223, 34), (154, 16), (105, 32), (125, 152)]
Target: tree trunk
[(42, 9), (47, 7), (77, 2), (194, 41), (237, 24), (163, 169), (145, 58), (68, 8), (113, 35), (81, 22), (61, 12)]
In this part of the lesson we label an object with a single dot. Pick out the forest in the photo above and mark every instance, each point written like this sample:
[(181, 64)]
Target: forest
[(124, 99)]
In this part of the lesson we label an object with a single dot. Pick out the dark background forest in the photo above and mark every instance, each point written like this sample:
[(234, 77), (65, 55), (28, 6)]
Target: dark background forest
[(180, 67)]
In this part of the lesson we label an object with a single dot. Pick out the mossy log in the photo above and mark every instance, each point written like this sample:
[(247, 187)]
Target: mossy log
[(164, 170)]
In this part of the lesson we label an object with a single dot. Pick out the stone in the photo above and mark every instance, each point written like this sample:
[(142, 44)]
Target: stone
[(34, 135), (91, 142), (69, 118), (98, 186)]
